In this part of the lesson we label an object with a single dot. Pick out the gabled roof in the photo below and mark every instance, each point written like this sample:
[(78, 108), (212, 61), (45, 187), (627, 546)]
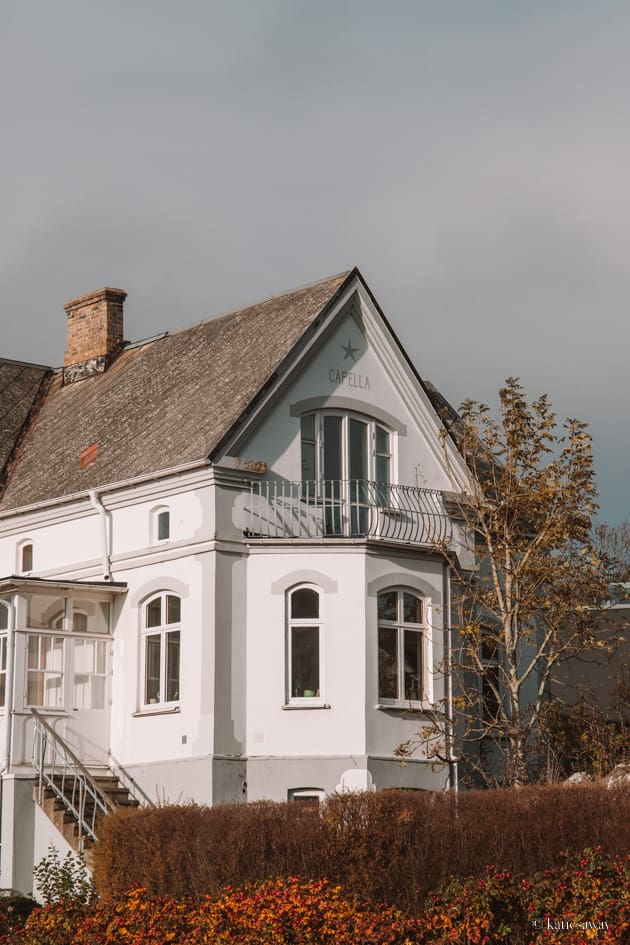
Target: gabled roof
[(21, 388), (162, 403)]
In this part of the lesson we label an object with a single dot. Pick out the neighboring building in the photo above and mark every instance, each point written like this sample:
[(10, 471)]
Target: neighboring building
[(223, 551)]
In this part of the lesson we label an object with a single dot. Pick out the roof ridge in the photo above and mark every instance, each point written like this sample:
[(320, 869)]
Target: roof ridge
[(243, 308)]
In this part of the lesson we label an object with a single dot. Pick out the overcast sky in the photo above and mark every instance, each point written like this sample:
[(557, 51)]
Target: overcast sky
[(472, 158)]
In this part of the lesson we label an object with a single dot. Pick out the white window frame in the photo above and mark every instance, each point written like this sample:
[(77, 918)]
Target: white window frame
[(158, 701), (46, 672), (423, 628), (306, 795), (317, 699), (20, 550), (346, 416), (156, 516)]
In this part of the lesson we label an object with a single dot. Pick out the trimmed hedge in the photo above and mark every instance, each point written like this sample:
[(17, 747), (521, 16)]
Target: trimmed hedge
[(390, 846)]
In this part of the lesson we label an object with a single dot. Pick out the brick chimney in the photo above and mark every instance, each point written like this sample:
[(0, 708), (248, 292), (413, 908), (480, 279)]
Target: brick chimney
[(95, 333)]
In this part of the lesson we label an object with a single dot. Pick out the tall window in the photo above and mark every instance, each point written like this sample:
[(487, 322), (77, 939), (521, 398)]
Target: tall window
[(304, 645), (161, 645), (402, 626), (4, 626), (489, 652), (347, 464), (25, 557), (160, 524), (44, 671), (342, 446)]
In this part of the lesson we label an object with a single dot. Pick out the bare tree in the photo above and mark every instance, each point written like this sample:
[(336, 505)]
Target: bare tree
[(613, 546), (527, 582)]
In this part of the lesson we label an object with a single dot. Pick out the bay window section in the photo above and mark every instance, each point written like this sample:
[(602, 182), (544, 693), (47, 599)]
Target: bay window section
[(304, 646), (161, 633)]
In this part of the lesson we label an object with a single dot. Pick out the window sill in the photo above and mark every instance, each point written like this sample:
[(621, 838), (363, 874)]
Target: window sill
[(404, 706), (158, 710), (290, 706)]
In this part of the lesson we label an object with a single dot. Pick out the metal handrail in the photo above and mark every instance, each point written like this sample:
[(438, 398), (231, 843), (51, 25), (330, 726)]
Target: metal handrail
[(59, 769), (351, 508)]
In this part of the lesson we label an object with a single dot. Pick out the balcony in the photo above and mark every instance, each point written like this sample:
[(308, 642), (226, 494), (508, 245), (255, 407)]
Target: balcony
[(350, 509)]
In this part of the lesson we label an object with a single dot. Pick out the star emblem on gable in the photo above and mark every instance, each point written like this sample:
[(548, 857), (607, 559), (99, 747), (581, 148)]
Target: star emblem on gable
[(349, 351)]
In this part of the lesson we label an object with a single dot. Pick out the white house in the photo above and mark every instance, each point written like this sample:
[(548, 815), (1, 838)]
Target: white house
[(223, 562)]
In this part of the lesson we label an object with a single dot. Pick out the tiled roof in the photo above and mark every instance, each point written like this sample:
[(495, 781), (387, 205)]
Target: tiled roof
[(21, 386), (162, 403)]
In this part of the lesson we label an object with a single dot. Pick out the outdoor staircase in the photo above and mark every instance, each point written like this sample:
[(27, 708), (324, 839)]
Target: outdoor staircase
[(59, 805), (74, 798)]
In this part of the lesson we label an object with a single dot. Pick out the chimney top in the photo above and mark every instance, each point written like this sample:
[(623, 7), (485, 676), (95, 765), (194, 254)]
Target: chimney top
[(94, 334)]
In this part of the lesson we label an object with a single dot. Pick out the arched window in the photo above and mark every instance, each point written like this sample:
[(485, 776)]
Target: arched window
[(402, 629), (160, 650), (25, 557), (304, 646), (160, 524)]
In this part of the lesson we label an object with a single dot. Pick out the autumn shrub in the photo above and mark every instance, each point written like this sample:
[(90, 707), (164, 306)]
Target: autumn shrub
[(390, 846), (14, 911), (585, 898), (283, 912)]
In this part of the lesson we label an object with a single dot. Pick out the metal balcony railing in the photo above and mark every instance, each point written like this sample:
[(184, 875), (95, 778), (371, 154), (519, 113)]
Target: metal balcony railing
[(59, 769), (351, 508)]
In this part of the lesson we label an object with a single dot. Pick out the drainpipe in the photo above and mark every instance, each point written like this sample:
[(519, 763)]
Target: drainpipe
[(97, 504), (448, 655), (5, 763)]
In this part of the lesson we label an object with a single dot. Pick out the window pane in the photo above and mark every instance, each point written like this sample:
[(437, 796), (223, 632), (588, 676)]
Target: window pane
[(52, 653), (387, 663), (382, 469), (489, 689), (412, 610), (489, 649), (53, 691), (305, 661), (45, 611), (172, 609), (152, 688), (358, 450), (4, 617), (79, 622), (382, 440), (413, 666), (3, 689), (387, 605), (90, 616), (27, 558), (33, 653), (308, 462), (3, 653), (101, 657), (307, 426), (35, 688), (332, 448), (163, 525), (172, 666), (97, 693), (154, 613), (304, 604)]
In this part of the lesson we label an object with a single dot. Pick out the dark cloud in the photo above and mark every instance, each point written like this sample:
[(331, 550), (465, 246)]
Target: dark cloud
[(471, 158)]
